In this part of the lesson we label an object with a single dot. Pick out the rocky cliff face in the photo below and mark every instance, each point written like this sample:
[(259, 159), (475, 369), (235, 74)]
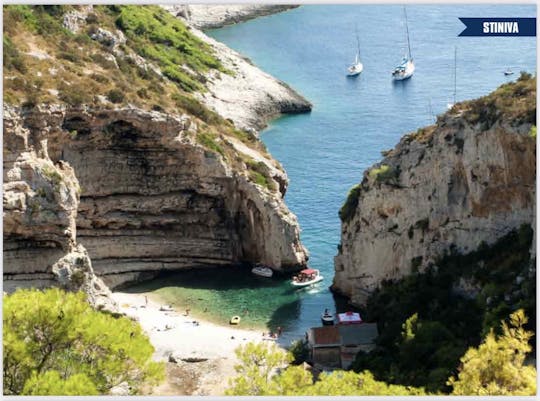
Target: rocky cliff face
[(466, 180), (40, 201), (152, 198), (97, 185)]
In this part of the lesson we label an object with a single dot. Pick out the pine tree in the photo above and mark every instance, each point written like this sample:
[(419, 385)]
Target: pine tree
[(497, 366), (55, 343)]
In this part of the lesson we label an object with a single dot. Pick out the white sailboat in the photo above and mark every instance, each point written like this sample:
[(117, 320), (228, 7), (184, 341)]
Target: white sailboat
[(450, 105), (508, 71), (405, 69), (356, 67)]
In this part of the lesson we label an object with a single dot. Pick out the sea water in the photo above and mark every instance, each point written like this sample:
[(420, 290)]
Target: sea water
[(327, 151)]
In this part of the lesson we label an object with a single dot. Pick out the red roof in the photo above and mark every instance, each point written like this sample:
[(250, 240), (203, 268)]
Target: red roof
[(326, 335), (308, 271)]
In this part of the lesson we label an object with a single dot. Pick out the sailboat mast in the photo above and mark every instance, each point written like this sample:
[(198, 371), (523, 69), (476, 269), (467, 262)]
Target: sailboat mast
[(407, 28), (455, 73), (357, 42)]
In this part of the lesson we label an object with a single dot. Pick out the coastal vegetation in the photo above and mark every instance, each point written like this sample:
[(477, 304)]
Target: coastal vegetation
[(496, 367), (256, 376), (156, 35), (349, 207), (511, 101), (56, 344), (120, 56), (428, 320)]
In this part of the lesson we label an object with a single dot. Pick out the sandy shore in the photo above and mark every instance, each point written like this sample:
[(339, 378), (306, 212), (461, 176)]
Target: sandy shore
[(202, 353)]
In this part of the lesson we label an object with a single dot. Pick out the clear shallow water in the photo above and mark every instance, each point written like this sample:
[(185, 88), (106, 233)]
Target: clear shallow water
[(353, 120)]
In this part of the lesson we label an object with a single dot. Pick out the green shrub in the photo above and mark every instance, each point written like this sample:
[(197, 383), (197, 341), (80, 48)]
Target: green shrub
[(115, 96), (194, 107), (12, 57), (300, 351), (74, 95), (208, 140), (260, 174), (102, 79), (52, 174), (69, 55), (384, 173), (348, 209), (104, 62)]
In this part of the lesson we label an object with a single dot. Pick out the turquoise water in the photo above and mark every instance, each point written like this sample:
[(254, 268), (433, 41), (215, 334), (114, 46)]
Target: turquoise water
[(353, 120)]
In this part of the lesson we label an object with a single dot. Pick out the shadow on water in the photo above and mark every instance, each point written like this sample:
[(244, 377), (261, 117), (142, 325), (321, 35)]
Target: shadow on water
[(401, 84), (211, 278), (285, 315)]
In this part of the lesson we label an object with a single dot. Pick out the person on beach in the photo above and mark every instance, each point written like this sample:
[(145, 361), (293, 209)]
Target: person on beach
[(187, 311), (145, 300), (279, 331)]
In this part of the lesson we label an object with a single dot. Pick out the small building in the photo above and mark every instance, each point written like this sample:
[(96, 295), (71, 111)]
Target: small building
[(355, 338), (324, 346), (337, 346)]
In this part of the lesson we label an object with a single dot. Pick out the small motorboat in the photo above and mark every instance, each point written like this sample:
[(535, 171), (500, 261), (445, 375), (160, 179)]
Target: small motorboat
[(262, 271), (306, 277), (327, 318), (235, 320)]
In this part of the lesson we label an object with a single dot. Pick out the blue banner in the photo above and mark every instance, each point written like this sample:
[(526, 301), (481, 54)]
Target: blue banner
[(499, 27)]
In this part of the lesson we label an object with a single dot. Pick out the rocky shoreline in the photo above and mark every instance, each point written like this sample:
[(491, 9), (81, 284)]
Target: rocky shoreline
[(202, 16), (249, 97)]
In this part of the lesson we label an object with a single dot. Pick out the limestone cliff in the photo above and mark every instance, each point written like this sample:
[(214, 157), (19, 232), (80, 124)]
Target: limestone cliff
[(113, 169), (40, 201), (468, 179)]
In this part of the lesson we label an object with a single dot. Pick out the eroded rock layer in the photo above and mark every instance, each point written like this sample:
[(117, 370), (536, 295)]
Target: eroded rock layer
[(151, 197)]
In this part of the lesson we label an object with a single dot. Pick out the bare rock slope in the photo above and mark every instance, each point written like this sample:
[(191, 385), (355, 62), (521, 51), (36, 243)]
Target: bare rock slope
[(466, 180)]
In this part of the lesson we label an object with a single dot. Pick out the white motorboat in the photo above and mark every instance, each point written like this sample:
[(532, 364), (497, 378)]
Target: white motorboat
[(307, 277), (327, 318), (262, 271), (357, 67), (405, 69)]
